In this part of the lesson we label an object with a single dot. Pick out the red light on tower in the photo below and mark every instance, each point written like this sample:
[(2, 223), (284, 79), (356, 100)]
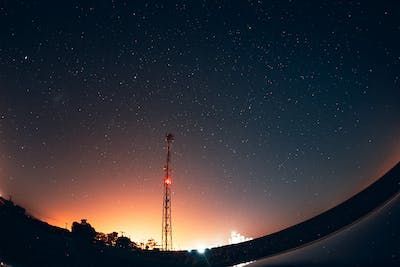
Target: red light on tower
[(166, 237)]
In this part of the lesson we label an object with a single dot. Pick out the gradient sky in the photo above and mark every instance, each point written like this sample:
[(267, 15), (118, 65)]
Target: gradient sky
[(280, 109)]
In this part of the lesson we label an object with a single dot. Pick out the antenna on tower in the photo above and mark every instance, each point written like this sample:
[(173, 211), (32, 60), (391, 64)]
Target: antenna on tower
[(166, 218)]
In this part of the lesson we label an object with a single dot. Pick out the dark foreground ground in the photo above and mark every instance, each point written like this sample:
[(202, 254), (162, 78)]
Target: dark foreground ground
[(26, 241)]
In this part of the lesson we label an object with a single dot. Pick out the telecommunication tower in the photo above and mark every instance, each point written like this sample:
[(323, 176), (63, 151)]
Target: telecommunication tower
[(167, 181)]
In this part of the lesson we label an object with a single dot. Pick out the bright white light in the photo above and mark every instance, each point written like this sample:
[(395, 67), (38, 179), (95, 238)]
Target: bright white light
[(201, 249), (237, 238)]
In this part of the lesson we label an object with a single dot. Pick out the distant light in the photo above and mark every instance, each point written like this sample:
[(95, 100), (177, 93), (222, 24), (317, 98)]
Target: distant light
[(201, 249), (168, 181), (236, 237)]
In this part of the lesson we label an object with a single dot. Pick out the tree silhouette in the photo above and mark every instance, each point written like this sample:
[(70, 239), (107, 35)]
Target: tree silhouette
[(124, 242), (112, 238), (83, 230), (101, 237), (151, 244)]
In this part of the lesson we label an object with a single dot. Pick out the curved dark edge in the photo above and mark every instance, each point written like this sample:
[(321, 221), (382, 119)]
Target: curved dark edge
[(321, 226)]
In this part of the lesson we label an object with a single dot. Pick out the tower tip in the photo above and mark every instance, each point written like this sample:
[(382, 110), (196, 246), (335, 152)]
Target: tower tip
[(169, 137)]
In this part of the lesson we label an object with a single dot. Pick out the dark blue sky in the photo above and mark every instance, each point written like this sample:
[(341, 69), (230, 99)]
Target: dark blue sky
[(280, 109)]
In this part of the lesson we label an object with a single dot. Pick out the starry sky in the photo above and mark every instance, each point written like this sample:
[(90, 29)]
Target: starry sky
[(280, 110)]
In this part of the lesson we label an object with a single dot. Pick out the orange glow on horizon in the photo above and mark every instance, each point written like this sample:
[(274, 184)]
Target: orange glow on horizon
[(138, 216), (137, 212), (114, 200)]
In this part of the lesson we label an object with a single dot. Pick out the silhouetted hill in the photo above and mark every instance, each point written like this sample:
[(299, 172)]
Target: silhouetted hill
[(26, 241)]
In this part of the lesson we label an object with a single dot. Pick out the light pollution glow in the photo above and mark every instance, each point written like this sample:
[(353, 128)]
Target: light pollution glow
[(201, 218), (139, 215)]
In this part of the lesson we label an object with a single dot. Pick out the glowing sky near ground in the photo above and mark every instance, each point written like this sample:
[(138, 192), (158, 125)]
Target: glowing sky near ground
[(280, 111)]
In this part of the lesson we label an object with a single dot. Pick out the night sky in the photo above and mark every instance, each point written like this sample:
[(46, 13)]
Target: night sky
[(280, 110)]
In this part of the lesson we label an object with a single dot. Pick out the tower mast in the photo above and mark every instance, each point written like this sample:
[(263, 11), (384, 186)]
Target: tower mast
[(166, 218)]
